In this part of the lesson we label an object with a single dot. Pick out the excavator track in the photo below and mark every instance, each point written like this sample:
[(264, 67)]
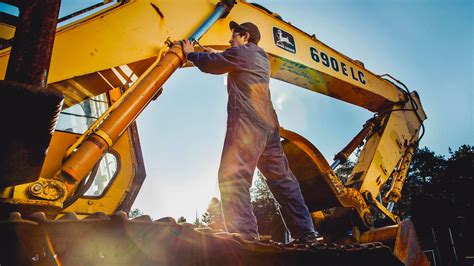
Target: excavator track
[(101, 239)]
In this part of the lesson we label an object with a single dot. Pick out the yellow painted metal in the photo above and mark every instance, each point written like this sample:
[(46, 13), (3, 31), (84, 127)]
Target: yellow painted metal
[(132, 32), (104, 136), (47, 189), (399, 176), (6, 31), (318, 168), (394, 218), (54, 158), (108, 202), (114, 195), (384, 148)]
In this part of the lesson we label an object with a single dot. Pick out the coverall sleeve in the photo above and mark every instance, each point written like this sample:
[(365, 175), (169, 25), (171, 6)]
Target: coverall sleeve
[(216, 63)]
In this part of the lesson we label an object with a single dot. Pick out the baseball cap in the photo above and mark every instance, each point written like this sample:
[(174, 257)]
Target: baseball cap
[(247, 27)]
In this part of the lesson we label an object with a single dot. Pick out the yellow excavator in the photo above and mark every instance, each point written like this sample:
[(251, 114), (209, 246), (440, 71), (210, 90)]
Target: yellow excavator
[(70, 159)]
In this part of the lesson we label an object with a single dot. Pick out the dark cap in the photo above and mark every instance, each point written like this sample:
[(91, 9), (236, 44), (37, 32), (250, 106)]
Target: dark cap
[(246, 27)]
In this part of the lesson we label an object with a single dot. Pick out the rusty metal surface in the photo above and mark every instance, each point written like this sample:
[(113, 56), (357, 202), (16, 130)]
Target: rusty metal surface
[(140, 172), (355, 142), (407, 247), (322, 188), (29, 116), (115, 240), (385, 235), (33, 42), (29, 110)]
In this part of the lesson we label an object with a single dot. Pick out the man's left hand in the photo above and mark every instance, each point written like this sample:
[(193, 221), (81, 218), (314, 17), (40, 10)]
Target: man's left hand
[(187, 47)]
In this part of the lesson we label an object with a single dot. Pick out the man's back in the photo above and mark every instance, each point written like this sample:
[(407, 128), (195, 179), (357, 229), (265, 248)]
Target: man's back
[(248, 80), (248, 85)]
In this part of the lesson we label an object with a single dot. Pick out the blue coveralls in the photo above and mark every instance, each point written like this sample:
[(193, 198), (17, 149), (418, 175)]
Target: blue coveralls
[(252, 140)]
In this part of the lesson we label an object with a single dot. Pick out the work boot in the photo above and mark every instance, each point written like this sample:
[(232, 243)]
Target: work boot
[(244, 237), (306, 239)]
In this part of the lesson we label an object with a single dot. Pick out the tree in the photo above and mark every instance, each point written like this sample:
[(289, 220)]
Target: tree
[(197, 223), (437, 185), (266, 210), (459, 179), (213, 216), (135, 213), (344, 170), (181, 220), (437, 196)]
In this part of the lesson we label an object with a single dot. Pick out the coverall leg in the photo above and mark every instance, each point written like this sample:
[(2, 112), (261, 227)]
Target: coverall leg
[(248, 143), (243, 145), (273, 164)]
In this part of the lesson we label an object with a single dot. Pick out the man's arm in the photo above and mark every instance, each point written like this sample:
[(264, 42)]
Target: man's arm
[(213, 63), (211, 50)]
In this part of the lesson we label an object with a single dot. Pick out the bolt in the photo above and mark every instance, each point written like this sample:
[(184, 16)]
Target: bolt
[(35, 257), (36, 188), (369, 219), (367, 196)]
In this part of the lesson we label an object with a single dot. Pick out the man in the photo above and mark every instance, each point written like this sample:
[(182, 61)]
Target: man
[(252, 138)]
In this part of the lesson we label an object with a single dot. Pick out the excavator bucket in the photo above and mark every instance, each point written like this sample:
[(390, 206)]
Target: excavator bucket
[(320, 192), (308, 165)]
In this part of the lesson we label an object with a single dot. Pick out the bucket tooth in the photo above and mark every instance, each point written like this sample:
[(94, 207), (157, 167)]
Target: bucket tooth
[(102, 216), (166, 220), (144, 218), (39, 217), (120, 216), (70, 216)]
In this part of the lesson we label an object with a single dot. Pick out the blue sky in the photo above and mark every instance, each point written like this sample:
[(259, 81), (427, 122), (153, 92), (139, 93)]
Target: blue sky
[(428, 45)]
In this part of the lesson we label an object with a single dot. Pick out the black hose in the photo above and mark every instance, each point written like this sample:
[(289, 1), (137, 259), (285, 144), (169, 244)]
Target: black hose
[(412, 102), (82, 188)]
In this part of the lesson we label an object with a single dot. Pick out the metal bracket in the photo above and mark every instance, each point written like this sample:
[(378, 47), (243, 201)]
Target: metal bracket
[(47, 189), (104, 136)]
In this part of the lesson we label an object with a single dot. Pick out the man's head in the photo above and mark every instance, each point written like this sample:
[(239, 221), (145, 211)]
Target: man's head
[(244, 33)]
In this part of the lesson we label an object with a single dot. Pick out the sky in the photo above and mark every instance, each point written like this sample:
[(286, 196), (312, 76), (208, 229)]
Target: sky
[(428, 45)]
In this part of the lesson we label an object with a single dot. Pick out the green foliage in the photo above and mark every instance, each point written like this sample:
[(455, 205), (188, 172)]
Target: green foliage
[(265, 207), (439, 187), (344, 170), (134, 213), (197, 223), (213, 216), (181, 220)]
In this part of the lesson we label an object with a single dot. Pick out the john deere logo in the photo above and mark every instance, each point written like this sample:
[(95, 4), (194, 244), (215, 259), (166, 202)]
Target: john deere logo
[(284, 40)]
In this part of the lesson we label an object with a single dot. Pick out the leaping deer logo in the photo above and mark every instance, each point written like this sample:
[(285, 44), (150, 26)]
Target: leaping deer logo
[(282, 40)]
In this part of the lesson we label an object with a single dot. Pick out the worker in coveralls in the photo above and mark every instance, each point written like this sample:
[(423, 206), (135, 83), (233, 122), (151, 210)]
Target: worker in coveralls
[(252, 138)]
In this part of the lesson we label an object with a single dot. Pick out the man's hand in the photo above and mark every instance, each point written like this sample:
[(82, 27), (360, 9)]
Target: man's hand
[(187, 47)]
